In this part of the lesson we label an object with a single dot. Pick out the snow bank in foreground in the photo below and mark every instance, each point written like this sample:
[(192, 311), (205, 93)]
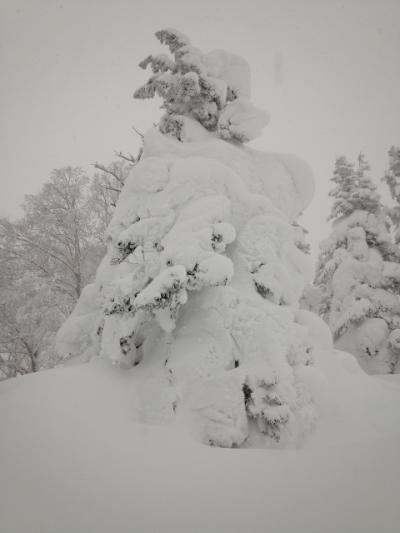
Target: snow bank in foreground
[(73, 460)]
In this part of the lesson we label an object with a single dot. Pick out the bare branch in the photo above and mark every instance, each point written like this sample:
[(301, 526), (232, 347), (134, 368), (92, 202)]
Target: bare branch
[(107, 170), (109, 188), (130, 158), (47, 252), (141, 135)]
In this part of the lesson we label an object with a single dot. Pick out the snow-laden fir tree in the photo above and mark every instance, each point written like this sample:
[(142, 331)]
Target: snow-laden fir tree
[(392, 175), (392, 179), (203, 87), (199, 289), (358, 272)]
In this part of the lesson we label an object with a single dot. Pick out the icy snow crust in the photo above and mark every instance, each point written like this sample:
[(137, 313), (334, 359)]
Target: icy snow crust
[(200, 286)]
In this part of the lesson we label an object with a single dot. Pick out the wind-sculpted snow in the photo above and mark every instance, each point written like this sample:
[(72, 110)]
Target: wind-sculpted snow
[(281, 179), (200, 286), (241, 121), (74, 460)]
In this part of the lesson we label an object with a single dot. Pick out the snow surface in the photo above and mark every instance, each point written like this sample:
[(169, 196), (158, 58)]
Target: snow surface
[(286, 180), (75, 459), (233, 69), (242, 121)]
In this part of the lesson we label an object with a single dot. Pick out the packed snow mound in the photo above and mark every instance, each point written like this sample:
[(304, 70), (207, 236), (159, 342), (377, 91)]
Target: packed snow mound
[(283, 179), (232, 69), (73, 458), (241, 121), (74, 336), (203, 275)]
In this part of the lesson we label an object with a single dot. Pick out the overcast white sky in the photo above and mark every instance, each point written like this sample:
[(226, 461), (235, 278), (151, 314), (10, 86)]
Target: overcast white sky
[(328, 72)]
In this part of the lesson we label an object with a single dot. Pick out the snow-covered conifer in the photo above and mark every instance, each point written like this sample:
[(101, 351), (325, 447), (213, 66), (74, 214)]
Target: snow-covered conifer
[(353, 188), (357, 271), (206, 87), (392, 179), (205, 266), (392, 175)]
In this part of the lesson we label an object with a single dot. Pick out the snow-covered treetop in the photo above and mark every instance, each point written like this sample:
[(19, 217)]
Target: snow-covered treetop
[(353, 189), (212, 89)]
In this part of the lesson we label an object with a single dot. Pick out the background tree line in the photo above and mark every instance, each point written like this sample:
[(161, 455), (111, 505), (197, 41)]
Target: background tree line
[(48, 255)]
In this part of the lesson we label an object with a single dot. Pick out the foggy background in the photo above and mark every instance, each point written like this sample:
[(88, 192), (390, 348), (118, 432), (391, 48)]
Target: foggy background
[(327, 71)]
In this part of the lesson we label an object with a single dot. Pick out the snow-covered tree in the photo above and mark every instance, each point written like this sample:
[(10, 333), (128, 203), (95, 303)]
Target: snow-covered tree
[(358, 272), (57, 235), (392, 179), (205, 264), (105, 186), (209, 88), (353, 188), (392, 175), (31, 311), (46, 257)]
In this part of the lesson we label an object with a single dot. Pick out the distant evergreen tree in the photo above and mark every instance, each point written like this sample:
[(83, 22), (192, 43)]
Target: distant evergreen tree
[(358, 272), (353, 190), (392, 179)]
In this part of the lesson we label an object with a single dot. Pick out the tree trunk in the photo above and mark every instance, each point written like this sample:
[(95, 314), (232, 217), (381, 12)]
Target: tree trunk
[(34, 360)]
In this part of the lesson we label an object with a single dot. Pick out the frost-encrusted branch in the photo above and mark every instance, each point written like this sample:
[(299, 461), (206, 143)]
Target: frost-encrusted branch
[(265, 403), (174, 39)]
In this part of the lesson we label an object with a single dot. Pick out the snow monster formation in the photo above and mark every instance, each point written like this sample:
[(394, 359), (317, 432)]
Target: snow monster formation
[(358, 272), (198, 292)]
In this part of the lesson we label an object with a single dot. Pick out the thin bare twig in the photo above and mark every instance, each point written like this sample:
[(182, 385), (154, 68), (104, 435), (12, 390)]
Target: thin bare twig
[(130, 158), (109, 171), (141, 135)]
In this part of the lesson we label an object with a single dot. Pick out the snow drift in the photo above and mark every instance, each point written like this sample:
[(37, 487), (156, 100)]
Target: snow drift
[(73, 459)]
